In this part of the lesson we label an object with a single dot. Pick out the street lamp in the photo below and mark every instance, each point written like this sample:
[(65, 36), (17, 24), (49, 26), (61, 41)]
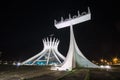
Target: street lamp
[(115, 60)]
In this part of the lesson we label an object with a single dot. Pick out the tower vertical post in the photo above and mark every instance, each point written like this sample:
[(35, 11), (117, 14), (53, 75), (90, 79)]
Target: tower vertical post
[(74, 55)]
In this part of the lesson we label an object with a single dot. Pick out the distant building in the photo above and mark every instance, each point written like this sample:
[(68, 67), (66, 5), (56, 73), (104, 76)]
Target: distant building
[(48, 56)]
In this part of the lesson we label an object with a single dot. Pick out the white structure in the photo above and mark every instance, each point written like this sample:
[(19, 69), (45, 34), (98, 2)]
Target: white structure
[(74, 55), (48, 56)]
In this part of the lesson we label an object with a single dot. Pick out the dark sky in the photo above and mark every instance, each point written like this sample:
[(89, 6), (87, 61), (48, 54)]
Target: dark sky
[(25, 23)]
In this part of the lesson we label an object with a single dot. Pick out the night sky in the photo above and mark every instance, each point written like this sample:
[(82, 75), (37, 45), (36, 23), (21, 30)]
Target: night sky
[(23, 25)]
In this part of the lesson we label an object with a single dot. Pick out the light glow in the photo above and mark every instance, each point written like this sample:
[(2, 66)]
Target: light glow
[(105, 66)]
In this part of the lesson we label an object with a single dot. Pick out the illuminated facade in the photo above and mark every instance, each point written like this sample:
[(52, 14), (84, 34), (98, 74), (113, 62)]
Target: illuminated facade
[(74, 56), (48, 56)]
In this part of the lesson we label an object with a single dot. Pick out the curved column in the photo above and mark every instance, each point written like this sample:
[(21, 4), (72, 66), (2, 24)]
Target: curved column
[(75, 56)]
